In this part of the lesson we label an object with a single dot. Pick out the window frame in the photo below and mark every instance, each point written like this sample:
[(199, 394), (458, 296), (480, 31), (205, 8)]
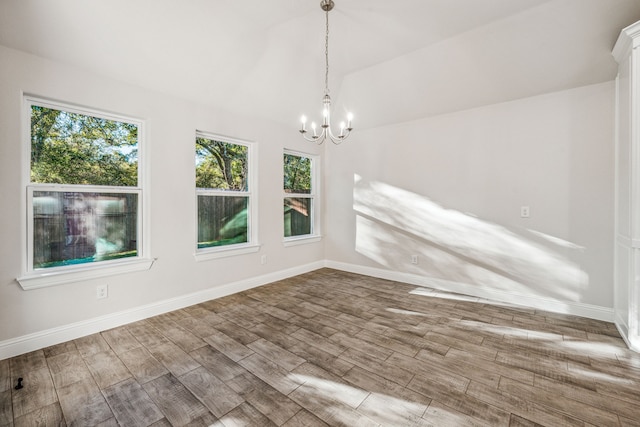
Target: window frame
[(34, 278), (315, 235), (252, 244)]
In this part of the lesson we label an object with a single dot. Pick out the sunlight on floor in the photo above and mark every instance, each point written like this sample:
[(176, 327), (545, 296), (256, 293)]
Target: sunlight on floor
[(542, 342), (600, 376), (380, 407), (407, 312), (350, 396)]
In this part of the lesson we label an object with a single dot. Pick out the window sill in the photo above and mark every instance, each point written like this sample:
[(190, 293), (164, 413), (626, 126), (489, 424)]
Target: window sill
[(42, 279), (208, 254), (301, 240)]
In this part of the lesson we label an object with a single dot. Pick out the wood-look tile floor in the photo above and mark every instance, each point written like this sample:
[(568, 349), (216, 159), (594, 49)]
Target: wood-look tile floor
[(333, 348)]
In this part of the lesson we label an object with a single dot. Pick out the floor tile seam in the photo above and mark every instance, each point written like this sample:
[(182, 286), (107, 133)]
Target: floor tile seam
[(603, 404), (413, 375), (150, 354), (86, 365), (66, 417), (393, 350), (538, 354), (633, 380), (461, 411), (353, 347), (525, 412), (291, 417), (178, 378), (13, 390), (495, 407), (304, 343), (10, 391), (113, 412), (330, 399), (451, 370), (607, 393), (14, 418), (561, 410), (527, 368), (504, 369), (263, 354), (548, 364)]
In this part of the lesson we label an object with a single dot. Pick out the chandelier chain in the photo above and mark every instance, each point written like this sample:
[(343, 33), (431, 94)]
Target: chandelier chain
[(326, 55)]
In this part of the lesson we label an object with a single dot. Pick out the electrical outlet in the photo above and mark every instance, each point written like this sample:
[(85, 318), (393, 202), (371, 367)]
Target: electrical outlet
[(102, 291), (263, 259), (414, 259), (524, 212)]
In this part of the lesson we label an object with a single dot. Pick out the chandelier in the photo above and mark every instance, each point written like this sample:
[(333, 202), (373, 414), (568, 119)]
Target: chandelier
[(325, 131)]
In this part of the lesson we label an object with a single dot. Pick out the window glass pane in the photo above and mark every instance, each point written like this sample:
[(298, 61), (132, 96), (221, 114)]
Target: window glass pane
[(221, 165), (75, 228), (222, 220), (73, 148), (297, 216), (297, 174)]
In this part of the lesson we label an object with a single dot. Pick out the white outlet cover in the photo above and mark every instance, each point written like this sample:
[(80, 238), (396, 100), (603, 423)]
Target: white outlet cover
[(102, 291)]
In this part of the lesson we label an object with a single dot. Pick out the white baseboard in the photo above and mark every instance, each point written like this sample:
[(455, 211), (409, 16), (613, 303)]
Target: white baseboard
[(530, 301), (53, 336), (49, 337)]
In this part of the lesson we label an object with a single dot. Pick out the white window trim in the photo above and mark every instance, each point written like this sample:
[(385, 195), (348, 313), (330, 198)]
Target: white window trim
[(316, 234), (40, 278), (81, 272), (253, 245), (301, 240)]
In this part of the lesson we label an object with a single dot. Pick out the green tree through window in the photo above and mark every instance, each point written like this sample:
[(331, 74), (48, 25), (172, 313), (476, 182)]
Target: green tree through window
[(77, 149), (220, 165), (297, 174)]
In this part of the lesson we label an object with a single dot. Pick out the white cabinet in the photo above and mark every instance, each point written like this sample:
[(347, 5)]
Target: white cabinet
[(627, 187)]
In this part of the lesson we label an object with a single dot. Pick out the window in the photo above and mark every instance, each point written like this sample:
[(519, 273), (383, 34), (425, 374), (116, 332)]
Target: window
[(300, 203), (224, 194), (84, 197)]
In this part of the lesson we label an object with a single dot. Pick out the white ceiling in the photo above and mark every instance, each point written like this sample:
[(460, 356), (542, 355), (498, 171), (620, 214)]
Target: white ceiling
[(391, 61)]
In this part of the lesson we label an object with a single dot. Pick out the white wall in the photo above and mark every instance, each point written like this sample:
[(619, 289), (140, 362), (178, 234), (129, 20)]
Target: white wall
[(170, 126), (449, 189)]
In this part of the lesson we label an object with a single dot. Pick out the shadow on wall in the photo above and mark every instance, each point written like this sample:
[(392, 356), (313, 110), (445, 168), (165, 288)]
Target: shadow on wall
[(392, 224)]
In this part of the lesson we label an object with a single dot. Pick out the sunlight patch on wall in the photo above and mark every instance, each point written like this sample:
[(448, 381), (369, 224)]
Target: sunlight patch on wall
[(556, 241), (393, 223)]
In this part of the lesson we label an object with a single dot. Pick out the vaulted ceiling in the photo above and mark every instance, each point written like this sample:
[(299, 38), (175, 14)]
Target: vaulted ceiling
[(391, 61)]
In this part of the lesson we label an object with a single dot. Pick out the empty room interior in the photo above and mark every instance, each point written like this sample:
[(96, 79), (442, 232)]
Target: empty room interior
[(306, 212)]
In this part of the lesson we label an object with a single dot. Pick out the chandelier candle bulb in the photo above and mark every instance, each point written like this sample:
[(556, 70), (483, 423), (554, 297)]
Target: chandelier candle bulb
[(304, 122)]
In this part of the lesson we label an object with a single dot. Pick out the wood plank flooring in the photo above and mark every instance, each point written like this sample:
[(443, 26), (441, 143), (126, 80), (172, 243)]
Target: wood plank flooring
[(333, 348)]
